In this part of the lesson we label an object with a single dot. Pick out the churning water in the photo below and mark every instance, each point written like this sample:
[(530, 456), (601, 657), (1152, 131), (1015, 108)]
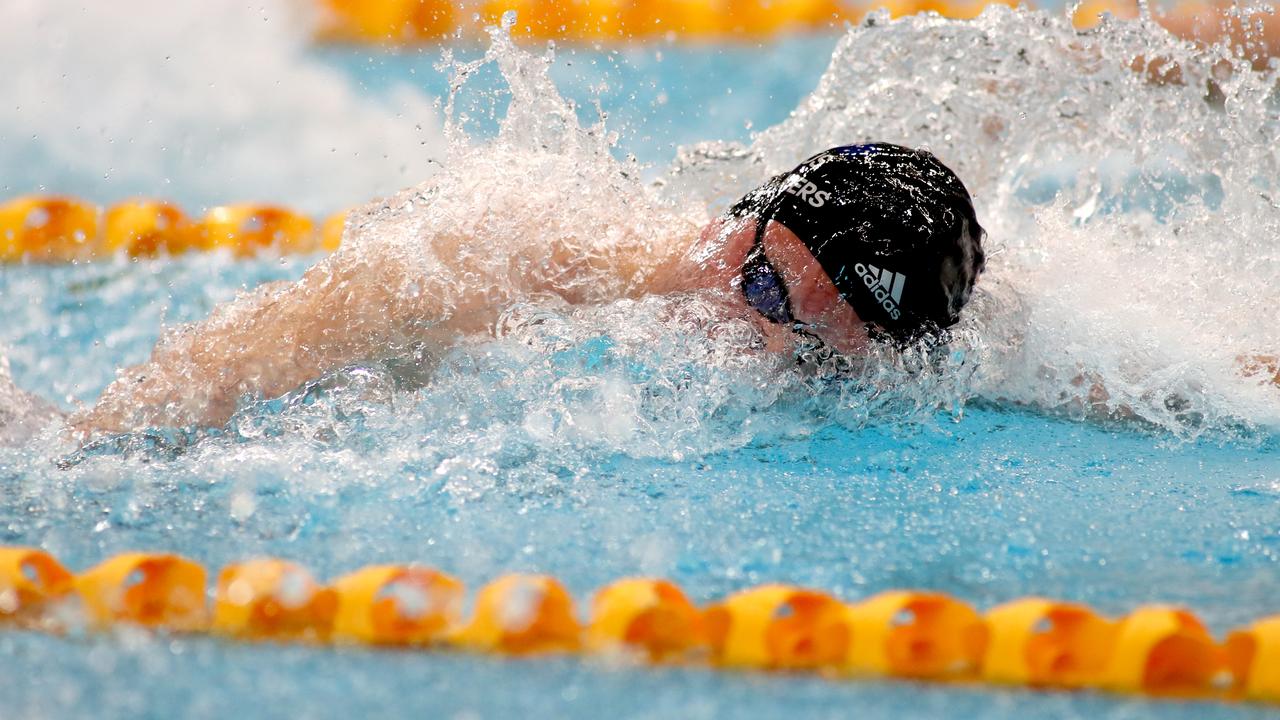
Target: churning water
[(1091, 432)]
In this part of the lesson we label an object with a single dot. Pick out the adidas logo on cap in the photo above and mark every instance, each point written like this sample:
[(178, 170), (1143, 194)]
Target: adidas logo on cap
[(885, 285)]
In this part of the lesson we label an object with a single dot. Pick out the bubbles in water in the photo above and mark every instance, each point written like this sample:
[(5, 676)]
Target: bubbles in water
[(22, 414)]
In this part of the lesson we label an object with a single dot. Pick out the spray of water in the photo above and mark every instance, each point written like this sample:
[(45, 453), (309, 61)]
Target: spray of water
[(1134, 226), (212, 103), (1134, 260)]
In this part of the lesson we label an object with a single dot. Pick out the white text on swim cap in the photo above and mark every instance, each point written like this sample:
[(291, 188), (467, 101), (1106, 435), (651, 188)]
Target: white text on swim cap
[(806, 191), (885, 285)]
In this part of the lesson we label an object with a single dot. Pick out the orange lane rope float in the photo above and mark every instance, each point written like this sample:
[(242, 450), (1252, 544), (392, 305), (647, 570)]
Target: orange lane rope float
[(269, 599), (47, 228), (57, 229), (521, 615), (1253, 656), (1035, 643), (152, 590), (914, 635), (650, 618), (396, 605), (1044, 643), (145, 228), (408, 22), (30, 582), (247, 229), (777, 627), (1164, 651)]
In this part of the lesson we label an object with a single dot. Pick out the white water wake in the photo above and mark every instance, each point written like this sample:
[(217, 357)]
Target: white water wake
[(1134, 244), (1134, 227)]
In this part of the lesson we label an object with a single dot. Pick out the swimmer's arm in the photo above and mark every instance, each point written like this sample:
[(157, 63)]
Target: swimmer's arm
[(1263, 367), (1097, 401), (340, 312)]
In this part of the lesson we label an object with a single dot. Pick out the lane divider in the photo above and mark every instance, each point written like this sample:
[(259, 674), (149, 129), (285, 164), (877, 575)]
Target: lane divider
[(269, 599), (410, 22), (59, 229), (397, 605), (1035, 643), (151, 590)]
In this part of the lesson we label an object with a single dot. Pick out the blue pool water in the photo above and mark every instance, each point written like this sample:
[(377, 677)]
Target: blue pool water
[(998, 505), (597, 443)]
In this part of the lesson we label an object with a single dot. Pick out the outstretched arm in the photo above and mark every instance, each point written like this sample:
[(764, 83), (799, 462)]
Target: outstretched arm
[(342, 310), (397, 280)]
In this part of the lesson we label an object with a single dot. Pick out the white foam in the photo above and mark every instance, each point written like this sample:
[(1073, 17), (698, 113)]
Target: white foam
[(1132, 238), (22, 415), (209, 102), (1132, 224)]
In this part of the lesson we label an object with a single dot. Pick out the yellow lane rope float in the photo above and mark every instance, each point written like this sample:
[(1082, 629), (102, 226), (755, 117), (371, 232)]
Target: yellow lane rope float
[(651, 619), (1035, 643), (152, 590), (915, 635), (268, 599), (31, 581), (57, 229), (48, 228), (407, 22), (777, 627), (396, 605), (1044, 643), (521, 615)]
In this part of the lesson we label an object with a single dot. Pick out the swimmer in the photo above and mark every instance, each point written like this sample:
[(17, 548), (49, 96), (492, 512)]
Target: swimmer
[(858, 245)]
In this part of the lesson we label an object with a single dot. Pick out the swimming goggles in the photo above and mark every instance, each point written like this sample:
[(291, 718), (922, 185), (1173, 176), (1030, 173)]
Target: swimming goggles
[(763, 287), (766, 293)]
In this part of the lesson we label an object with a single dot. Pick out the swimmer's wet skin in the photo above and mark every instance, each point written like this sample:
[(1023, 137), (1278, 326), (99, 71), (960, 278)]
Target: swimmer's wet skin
[(858, 244)]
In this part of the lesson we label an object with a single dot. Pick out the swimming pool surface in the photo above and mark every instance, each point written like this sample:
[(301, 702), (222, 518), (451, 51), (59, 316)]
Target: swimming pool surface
[(598, 444), (997, 505)]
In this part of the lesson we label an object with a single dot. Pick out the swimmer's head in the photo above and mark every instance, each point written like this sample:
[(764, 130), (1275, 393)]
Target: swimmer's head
[(892, 227)]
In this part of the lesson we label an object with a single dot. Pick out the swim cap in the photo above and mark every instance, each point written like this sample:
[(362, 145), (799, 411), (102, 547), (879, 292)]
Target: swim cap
[(892, 227)]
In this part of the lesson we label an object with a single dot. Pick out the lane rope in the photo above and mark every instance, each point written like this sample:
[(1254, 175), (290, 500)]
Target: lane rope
[(412, 22), (1036, 643), (62, 229)]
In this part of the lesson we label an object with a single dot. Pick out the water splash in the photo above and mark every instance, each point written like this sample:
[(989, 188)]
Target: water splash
[(1132, 222), (1133, 265), (650, 435), (202, 101), (22, 414)]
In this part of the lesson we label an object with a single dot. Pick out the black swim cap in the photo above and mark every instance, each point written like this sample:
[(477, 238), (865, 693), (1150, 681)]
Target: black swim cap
[(893, 228)]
